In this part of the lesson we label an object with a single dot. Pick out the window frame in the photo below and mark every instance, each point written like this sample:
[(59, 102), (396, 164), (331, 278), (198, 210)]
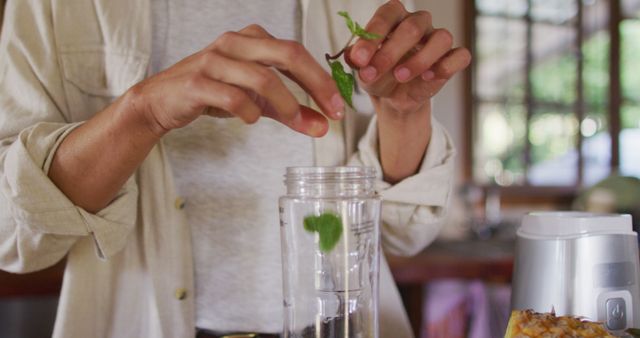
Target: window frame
[(536, 194)]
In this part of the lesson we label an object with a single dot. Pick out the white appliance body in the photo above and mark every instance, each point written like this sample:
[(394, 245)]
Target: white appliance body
[(579, 264)]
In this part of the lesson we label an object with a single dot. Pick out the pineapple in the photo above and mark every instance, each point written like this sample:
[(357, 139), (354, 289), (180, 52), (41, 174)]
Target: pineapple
[(530, 324)]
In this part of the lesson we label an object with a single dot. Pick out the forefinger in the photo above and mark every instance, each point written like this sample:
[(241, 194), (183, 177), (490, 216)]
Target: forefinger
[(293, 60), (385, 19)]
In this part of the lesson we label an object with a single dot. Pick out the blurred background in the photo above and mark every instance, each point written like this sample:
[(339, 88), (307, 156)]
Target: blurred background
[(546, 118)]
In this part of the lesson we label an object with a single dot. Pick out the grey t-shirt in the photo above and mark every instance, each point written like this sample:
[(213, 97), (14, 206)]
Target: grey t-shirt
[(230, 173)]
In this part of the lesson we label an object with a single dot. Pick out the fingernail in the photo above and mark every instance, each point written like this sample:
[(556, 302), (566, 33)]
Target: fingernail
[(402, 74), (428, 75), (369, 73), (316, 129), (337, 103), (362, 55)]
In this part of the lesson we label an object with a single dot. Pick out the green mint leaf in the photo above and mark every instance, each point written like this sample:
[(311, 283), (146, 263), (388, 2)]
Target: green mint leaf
[(310, 223), (329, 228), (361, 32), (356, 29), (344, 81), (352, 25)]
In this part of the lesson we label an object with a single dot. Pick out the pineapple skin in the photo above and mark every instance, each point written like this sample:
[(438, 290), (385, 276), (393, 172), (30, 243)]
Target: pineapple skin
[(530, 324)]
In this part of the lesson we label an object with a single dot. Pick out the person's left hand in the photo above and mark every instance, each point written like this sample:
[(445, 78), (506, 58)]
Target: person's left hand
[(410, 63)]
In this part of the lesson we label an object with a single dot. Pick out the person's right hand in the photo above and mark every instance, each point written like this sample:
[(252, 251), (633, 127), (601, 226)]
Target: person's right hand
[(235, 77)]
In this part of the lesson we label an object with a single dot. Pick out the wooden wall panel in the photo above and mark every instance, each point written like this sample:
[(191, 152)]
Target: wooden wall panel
[(1, 13)]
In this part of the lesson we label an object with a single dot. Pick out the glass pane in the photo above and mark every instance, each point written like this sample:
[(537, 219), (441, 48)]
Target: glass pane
[(629, 140), (553, 151), (596, 69), (554, 70), (499, 144), (631, 8), (630, 114), (596, 145), (595, 53), (630, 67), (502, 7), (630, 110), (500, 55), (556, 11)]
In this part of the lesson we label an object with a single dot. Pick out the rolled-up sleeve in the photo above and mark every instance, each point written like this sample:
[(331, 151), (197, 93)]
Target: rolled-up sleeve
[(38, 223), (413, 209)]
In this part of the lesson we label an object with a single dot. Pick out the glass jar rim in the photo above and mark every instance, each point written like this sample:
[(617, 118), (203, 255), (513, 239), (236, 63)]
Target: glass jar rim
[(330, 172)]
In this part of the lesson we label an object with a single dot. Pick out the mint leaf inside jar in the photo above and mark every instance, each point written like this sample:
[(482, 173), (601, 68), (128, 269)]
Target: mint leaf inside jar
[(329, 229)]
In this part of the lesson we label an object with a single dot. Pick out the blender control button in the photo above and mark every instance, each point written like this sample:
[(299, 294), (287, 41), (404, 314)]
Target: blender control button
[(616, 314)]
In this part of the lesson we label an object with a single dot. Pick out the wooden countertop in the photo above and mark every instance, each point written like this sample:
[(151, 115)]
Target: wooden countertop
[(486, 260), (490, 260), (44, 282)]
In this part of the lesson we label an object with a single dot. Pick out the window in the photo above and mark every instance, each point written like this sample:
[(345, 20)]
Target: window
[(555, 92)]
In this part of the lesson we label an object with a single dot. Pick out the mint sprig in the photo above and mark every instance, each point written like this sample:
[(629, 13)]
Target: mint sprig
[(356, 29), (345, 81), (329, 228), (350, 24)]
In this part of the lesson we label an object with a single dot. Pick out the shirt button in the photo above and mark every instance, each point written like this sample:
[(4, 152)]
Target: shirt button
[(179, 203), (181, 293)]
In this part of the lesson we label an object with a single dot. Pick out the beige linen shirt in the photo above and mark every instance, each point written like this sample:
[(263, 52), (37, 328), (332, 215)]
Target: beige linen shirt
[(129, 267)]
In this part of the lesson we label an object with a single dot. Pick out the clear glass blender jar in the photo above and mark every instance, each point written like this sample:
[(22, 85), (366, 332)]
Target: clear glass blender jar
[(330, 232)]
